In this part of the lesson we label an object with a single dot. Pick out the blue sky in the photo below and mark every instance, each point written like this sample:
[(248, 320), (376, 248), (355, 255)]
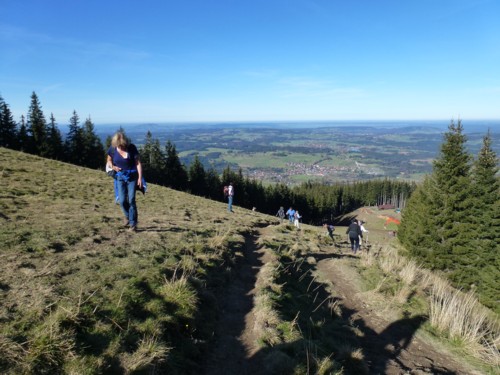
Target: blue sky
[(260, 60)]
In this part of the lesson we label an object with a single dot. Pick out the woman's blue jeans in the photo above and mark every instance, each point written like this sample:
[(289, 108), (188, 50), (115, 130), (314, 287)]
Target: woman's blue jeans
[(126, 197), (230, 203)]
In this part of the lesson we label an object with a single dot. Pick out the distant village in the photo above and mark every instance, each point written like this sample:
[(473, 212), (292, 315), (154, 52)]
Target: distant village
[(316, 171)]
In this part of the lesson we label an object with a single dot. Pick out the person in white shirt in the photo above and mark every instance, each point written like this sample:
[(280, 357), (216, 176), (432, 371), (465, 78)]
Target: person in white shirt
[(230, 195), (364, 231), (297, 218)]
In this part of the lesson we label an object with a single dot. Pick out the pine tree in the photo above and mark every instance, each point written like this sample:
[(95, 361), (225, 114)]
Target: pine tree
[(176, 176), (455, 201), (197, 177), (37, 128), (437, 219), (213, 185), (486, 217), (23, 139), (74, 143), (93, 149), (55, 149), (418, 227), (153, 160), (8, 127), (487, 187)]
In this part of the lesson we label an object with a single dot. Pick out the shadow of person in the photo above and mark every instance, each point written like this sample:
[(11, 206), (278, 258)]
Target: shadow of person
[(399, 334)]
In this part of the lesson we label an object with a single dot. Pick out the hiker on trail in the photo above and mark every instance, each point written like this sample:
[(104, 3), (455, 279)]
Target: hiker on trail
[(291, 215), (123, 158), (230, 195), (330, 228), (354, 232), (281, 214), (297, 218)]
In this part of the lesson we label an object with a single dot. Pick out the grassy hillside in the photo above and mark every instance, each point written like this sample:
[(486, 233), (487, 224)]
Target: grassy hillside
[(80, 292), (198, 290)]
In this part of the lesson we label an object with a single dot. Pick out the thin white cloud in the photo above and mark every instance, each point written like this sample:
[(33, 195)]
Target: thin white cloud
[(306, 87), (54, 87), (69, 46)]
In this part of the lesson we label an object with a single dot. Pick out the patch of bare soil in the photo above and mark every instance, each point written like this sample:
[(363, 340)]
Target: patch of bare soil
[(389, 347), (234, 343)]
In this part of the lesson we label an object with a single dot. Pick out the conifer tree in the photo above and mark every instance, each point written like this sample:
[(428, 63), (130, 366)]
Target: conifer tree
[(153, 160), (437, 220), (55, 149), (486, 186), (74, 143), (23, 138), (176, 176), (455, 203), (197, 177), (8, 127), (93, 149), (37, 128), (418, 228), (213, 185)]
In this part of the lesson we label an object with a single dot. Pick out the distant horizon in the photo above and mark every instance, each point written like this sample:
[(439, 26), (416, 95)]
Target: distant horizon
[(298, 122), (470, 126)]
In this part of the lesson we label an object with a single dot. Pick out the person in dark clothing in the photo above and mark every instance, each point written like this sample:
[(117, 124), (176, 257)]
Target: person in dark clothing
[(354, 232), (123, 159), (281, 214), (330, 229)]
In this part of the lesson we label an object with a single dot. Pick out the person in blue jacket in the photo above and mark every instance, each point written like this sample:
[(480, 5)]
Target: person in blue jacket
[(123, 158)]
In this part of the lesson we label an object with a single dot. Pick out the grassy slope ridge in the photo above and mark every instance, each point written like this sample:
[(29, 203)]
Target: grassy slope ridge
[(80, 294), (78, 291)]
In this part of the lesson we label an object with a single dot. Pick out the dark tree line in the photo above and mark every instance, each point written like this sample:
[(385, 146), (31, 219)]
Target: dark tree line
[(452, 221), (317, 203), (36, 136)]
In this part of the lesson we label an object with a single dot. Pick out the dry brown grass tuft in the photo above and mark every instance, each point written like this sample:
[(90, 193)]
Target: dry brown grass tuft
[(11, 353), (151, 351), (462, 318), (266, 317), (454, 314)]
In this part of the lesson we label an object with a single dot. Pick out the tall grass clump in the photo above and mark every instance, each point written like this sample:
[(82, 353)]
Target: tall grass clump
[(181, 294), (463, 319), (150, 353), (457, 315)]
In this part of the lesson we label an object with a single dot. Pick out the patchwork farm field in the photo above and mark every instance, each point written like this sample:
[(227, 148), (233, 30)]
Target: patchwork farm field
[(292, 153)]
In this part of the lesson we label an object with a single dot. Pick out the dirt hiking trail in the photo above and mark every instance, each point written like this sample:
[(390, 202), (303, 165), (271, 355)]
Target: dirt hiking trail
[(235, 338), (389, 346)]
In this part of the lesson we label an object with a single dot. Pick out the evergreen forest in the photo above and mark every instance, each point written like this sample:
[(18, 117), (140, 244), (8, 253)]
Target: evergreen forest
[(451, 222)]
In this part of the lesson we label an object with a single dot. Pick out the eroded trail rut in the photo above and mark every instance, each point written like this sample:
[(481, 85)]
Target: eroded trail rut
[(388, 347), (235, 340)]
